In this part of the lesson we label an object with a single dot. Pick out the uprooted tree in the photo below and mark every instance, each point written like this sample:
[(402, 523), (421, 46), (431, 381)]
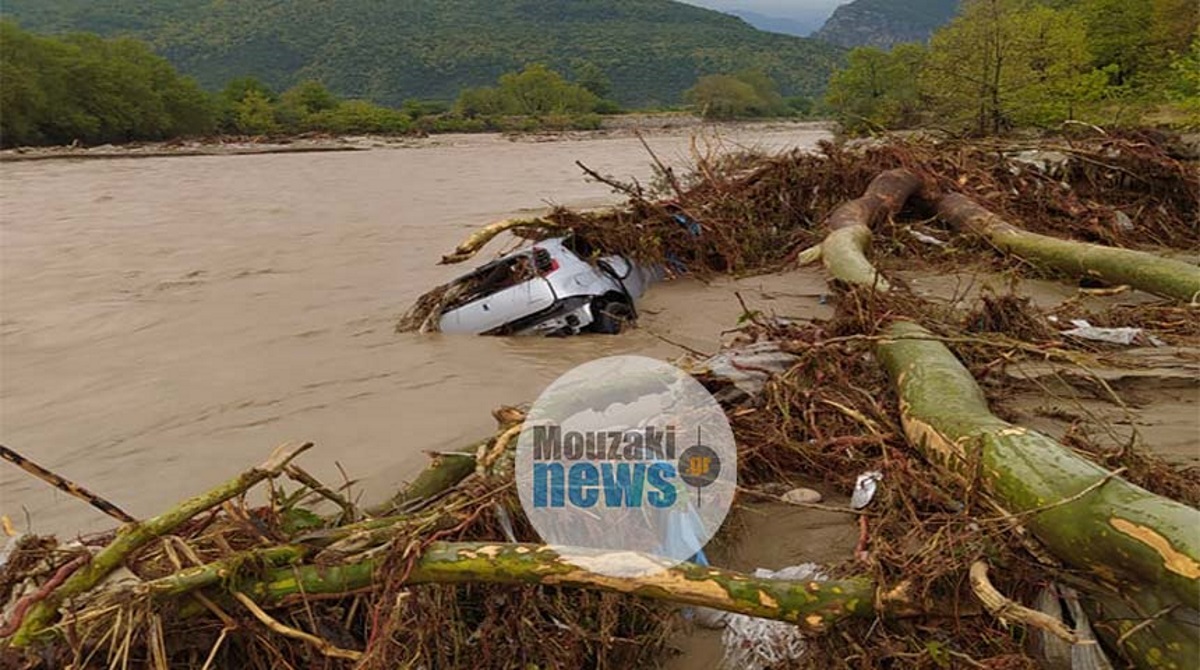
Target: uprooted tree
[(449, 573)]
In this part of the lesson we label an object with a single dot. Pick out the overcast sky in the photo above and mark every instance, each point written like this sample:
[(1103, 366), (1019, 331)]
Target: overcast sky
[(793, 9)]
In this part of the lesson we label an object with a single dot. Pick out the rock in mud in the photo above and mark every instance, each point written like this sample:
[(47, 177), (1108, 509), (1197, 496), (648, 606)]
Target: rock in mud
[(803, 496)]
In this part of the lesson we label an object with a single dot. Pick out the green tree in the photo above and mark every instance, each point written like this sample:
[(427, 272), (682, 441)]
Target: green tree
[(592, 78), (770, 102), (1002, 63), (82, 87), (1183, 83), (723, 96), (254, 114), (309, 97), (25, 103), (482, 101), (1173, 24), (878, 89), (360, 116), (535, 91), (1117, 35), (236, 89), (297, 104), (748, 93), (538, 91)]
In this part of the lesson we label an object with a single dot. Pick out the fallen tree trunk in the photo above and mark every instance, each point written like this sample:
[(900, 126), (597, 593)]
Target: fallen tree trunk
[(1085, 515), (479, 239), (845, 246), (1144, 271), (132, 537), (812, 604)]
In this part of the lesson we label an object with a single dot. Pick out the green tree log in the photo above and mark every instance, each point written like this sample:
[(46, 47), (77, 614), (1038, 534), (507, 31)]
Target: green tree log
[(1141, 270), (849, 237), (1089, 518)]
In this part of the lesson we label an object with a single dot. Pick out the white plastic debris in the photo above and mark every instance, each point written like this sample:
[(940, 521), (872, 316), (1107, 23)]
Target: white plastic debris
[(1057, 654), (1047, 162), (864, 489), (803, 496), (1122, 221), (924, 237), (749, 367), (10, 546), (1126, 336), (752, 643)]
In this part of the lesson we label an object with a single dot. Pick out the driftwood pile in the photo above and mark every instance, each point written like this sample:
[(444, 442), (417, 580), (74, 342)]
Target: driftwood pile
[(975, 515)]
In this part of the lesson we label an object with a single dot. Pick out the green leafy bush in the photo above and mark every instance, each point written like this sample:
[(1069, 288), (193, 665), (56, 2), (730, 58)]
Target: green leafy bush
[(360, 117), (748, 93)]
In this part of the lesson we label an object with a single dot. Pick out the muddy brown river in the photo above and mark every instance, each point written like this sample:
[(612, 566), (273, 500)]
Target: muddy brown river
[(164, 322)]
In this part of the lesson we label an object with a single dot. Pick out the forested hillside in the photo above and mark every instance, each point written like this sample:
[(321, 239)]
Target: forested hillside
[(388, 52), (1004, 64), (884, 23)]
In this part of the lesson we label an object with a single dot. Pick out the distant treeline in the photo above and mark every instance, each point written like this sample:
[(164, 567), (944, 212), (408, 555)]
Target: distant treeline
[(82, 88), (1002, 64)]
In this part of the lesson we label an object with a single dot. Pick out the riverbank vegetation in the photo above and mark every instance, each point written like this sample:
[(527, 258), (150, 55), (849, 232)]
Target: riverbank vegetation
[(1005, 64), (80, 88)]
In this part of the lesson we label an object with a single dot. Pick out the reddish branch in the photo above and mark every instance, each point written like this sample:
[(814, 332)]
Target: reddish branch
[(28, 601)]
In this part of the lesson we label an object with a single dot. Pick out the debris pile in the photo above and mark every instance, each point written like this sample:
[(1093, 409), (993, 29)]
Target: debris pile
[(969, 515)]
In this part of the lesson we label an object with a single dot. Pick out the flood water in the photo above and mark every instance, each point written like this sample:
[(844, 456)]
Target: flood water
[(165, 322)]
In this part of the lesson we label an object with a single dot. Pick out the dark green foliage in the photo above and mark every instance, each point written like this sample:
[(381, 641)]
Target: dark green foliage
[(1016, 63), (878, 89), (749, 93), (536, 91), (592, 78), (359, 116), (649, 51), (81, 87)]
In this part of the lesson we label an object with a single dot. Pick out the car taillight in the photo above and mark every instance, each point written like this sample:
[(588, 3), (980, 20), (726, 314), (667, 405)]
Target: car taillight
[(544, 262)]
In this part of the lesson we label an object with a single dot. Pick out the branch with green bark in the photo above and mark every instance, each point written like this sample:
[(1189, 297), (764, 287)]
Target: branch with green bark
[(845, 246), (1088, 517), (134, 536), (1141, 270)]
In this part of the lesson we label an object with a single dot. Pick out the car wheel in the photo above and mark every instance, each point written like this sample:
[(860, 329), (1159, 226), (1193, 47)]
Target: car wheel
[(610, 317)]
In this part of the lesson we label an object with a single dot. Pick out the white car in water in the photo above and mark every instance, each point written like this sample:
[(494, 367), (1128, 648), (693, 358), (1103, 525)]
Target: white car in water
[(560, 286)]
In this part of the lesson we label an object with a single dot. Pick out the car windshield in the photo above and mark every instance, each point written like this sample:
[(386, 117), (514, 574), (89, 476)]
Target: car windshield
[(497, 276)]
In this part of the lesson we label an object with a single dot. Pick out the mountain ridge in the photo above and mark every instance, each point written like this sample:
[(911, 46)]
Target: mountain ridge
[(780, 24), (652, 50), (885, 23)]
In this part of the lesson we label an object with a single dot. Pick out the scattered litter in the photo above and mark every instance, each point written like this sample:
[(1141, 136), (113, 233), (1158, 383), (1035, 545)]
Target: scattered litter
[(803, 496), (1058, 654), (864, 489), (749, 367), (1047, 162), (1126, 336), (752, 643), (707, 617), (1122, 221), (925, 237), (10, 545)]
